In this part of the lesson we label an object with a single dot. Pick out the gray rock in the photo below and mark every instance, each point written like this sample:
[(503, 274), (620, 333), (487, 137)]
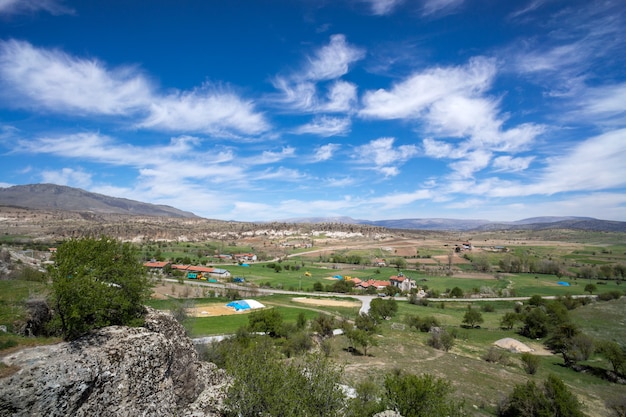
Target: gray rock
[(115, 371)]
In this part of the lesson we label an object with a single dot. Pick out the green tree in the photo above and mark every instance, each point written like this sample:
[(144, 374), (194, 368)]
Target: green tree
[(456, 292), (361, 338), (508, 320), (97, 283), (323, 324), (536, 323), (590, 288), (383, 309), (613, 353), (416, 396), (366, 322), (472, 317), (268, 321), (553, 399)]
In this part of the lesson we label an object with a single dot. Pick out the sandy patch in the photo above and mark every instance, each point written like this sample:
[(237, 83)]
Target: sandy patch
[(212, 310), (327, 302)]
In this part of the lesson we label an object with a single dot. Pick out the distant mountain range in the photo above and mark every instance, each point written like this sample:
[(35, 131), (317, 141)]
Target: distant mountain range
[(59, 197), (533, 223)]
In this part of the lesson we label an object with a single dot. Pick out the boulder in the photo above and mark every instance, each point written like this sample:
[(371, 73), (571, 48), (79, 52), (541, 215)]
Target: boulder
[(152, 370)]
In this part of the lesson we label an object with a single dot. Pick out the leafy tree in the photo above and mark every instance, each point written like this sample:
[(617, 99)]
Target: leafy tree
[(361, 338), (472, 317), (456, 292), (590, 288), (383, 309), (366, 322), (552, 399), (324, 324), (613, 353), (268, 321), (508, 320), (536, 323), (97, 283), (416, 396)]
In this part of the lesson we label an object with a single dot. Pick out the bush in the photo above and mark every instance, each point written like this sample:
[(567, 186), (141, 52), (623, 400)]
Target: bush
[(496, 355), (530, 400), (441, 340), (530, 363), (611, 295), (417, 396)]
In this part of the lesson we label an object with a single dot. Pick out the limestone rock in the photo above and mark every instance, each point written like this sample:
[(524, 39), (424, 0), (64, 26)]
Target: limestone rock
[(115, 371)]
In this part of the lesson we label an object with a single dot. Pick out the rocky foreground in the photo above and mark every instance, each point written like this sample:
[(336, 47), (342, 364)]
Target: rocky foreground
[(116, 371)]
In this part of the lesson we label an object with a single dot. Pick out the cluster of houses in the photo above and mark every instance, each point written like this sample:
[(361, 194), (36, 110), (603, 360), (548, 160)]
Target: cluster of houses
[(399, 281), (190, 271)]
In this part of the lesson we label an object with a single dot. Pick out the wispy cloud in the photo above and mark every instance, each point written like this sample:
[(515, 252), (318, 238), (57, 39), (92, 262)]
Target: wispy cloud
[(299, 90), (381, 155), (507, 163), (383, 7), (67, 176), (204, 110), (326, 126), (440, 7), (57, 82), (325, 152), (53, 7), (53, 81), (452, 103)]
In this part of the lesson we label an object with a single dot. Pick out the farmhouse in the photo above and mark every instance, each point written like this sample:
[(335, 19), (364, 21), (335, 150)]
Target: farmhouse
[(156, 266), (402, 283), (363, 285), (245, 257)]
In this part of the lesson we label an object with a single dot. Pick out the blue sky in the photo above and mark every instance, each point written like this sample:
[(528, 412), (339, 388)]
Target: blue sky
[(373, 109)]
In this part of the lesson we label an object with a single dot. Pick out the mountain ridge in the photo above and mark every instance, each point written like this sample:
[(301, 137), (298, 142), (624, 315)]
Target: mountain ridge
[(61, 197)]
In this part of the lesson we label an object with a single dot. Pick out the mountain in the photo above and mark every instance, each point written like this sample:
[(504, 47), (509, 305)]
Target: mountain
[(533, 223), (60, 197)]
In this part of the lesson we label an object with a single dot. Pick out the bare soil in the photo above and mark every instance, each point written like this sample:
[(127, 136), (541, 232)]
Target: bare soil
[(326, 302)]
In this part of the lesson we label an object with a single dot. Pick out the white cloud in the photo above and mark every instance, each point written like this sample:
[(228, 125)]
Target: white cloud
[(341, 97), (383, 157), (325, 152), (472, 162), (54, 81), (53, 7), (383, 7), (67, 176), (270, 157), (507, 163), (333, 60), (299, 90), (410, 98), (440, 7), (594, 164), (326, 126), (204, 111), (601, 105)]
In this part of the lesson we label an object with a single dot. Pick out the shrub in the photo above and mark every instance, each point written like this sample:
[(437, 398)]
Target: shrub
[(530, 363), (496, 355)]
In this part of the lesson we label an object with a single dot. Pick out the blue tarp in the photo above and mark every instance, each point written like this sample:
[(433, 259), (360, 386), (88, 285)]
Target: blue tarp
[(244, 265), (563, 283), (338, 277), (239, 305)]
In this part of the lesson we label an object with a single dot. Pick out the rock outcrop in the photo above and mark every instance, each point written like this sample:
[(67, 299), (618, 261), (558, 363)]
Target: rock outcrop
[(115, 371)]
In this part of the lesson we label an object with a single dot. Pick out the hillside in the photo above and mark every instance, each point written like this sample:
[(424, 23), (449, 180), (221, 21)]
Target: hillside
[(59, 197)]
